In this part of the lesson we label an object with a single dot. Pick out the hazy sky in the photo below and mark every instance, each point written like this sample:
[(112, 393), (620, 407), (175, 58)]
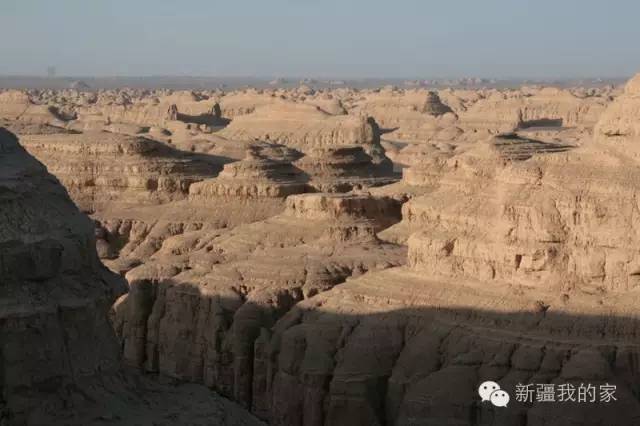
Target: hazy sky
[(322, 38)]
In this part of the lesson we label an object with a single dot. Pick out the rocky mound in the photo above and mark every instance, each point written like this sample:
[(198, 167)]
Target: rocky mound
[(343, 169), (245, 191), (414, 116), (497, 113), (158, 111), (104, 169), (16, 105), (303, 127), (620, 123), (548, 107), (257, 175), (327, 103), (236, 104)]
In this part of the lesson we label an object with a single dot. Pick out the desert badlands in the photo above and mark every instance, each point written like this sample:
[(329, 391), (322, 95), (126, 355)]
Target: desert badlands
[(319, 256)]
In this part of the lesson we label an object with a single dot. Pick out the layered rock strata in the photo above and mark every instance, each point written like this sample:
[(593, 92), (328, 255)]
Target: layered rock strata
[(521, 269), (240, 282), (234, 105), (303, 127), (257, 175), (245, 191), (521, 264), (102, 169), (17, 105), (55, 292), (60, 360), (550, 107), (153, 111), (408, 117), (343, 169)]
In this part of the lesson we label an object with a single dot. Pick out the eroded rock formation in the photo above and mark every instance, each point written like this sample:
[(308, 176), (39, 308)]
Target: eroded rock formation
[(507, 111), (55, 292), (154, 111), (199, 309), (409, 117), (17, 105), (302, 126), (284, 265), (105, 169), (60, 360), (521, 269)]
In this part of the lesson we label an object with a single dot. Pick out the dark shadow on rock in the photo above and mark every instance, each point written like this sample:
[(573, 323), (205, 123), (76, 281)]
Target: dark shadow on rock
[(542, 122), (519, 148), (384, 131), (295, 362), (165, 151), (206, 119)]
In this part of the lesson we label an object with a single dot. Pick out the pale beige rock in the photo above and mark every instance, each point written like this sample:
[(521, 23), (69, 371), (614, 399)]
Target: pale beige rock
[(245, 191), (255, 176), (506, 111), (234, 105), (520, 270), (327, 103), (154, 111), (343, 169), (102, 168), (16, 105), (408, 116), (303, 127), (620, 123)]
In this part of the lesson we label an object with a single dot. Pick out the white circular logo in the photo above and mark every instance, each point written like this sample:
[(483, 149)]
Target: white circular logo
[(490, 391)]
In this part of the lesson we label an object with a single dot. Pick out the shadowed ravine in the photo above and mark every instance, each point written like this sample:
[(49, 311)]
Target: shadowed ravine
[(319, 364)]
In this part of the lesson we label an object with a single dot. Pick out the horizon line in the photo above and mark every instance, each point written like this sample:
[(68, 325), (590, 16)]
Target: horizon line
[(295, 78)]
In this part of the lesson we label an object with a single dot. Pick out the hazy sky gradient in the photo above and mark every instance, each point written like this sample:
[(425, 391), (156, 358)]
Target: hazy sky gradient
[(322, 38)]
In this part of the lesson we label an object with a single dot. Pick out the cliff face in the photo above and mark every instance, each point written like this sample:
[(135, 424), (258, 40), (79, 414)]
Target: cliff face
[(506, 111), (158, 111), (102, 169), (16, 105), (142, 191), (239, 283), (521, 269), (55, 293), (304, 126), (59, 357)]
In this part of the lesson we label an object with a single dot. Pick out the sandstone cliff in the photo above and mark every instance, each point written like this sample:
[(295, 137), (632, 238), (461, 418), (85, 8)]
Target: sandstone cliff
[(16, 105), (302, 126), (521, 269), (240, 282), (102, 169), (60, 360), (154, 111)]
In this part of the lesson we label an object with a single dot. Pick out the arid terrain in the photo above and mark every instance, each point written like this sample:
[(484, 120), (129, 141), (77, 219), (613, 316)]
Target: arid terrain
[(307, 256)]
